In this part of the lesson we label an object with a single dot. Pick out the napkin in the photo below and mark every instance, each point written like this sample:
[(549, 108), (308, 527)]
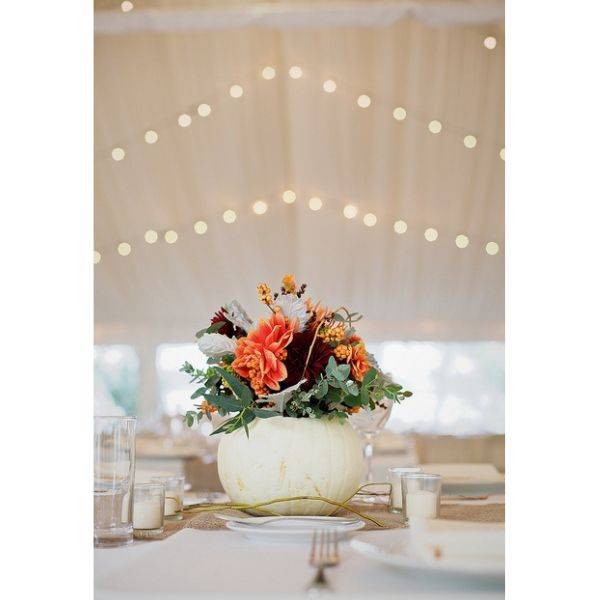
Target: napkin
[(456, 540)]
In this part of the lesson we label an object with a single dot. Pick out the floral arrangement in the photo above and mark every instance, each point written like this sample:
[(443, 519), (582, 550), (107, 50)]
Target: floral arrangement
[(303, 361)]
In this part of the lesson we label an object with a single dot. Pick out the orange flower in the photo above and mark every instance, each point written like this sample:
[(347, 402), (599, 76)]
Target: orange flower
[(319, 312), (359, 363), (206, 407), (352, 409), (259, 357), (289, 284)]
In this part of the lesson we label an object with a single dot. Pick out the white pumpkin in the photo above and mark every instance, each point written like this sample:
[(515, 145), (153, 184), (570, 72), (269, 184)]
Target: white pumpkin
[(285, 457)]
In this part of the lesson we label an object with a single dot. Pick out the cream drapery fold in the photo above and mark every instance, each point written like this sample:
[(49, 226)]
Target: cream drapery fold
[(289, 134)]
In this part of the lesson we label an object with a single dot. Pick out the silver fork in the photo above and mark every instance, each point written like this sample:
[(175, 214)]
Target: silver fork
[(323, 553)]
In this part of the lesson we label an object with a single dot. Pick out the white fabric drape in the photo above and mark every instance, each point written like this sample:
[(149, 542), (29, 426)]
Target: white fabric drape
[(290, 134)]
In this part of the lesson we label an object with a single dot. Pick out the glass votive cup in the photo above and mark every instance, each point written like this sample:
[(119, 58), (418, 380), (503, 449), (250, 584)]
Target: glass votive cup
[(421, 494), (174, 488), (148, 508), (395, 479)]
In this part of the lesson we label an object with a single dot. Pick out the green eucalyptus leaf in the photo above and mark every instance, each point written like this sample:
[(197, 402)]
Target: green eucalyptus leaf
[(263, 413), (228, 403), (243, 392)]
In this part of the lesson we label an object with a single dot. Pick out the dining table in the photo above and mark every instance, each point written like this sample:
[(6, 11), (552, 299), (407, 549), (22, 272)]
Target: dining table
[(199, 558)]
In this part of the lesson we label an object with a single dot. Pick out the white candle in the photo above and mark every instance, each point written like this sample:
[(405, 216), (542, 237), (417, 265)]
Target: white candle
[(421, 503), (147, 515), (172, 506)]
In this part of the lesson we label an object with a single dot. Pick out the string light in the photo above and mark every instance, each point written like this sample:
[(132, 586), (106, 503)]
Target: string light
[(124, 249), (369, 219), (399, 113), (268, 73), (200, 227), (470, 141), (431, 234), (503, 153), (492, 248), (171, 236), (118, 154), (151, 137), (295, 72), (289, 197), (126, 6), (434, 126), (350, 211), (490, 42), (184, 120), (151, 236), (400, 227), (260, 207), (236, 91), (229, 216), (462, 241), (97, 257), (315, 203), (363, 101)]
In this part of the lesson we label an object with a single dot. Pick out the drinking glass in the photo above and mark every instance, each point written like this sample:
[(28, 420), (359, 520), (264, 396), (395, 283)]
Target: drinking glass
[(148, 508), (114, 468), (369, 424), (421, 494), (174, 489)]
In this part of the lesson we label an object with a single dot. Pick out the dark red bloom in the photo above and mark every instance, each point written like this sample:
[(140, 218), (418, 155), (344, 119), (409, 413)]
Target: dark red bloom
[(297, 352), (227, 327)]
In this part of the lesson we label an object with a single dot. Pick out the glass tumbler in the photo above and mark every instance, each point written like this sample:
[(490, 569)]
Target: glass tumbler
[(421, 496), (174, 487), (148, 508), (114, 468)]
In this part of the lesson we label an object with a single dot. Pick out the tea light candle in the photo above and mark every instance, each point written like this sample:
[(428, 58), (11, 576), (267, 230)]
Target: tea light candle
[(148, 508), (147, 514), (172, 506), (174, 489), (421, 504)]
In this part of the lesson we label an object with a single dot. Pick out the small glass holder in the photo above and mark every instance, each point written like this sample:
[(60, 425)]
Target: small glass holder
[(421, 493), (395, 478), (148, 509), (174, 488)]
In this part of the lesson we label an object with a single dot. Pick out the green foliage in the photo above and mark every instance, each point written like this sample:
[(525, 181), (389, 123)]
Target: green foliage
[(330, 397)]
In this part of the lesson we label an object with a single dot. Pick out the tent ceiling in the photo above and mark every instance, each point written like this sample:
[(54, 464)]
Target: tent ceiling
[(290, 134)]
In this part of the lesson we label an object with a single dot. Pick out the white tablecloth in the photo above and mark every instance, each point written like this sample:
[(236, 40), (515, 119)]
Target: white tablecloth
[(198, 563)]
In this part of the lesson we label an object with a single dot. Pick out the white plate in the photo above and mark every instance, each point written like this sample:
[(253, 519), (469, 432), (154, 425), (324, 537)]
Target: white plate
[(392, 548), (298, 529)]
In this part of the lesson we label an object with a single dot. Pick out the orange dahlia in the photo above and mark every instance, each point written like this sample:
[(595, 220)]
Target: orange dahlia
[(259, 357), (359, 362)]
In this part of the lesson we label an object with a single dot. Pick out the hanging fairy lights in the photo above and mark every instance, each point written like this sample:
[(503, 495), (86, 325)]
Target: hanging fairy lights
[(315, 203)]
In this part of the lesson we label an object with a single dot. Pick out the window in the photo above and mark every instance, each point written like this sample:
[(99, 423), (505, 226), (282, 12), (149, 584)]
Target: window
[(174, 387), (458, 387), (116, 380)]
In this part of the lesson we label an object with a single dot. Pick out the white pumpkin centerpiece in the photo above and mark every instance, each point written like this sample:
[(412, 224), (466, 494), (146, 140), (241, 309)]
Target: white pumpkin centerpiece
[(284, 457), (287, 385)]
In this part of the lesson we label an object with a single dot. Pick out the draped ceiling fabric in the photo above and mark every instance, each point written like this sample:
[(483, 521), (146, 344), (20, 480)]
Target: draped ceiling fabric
[(162, 59)]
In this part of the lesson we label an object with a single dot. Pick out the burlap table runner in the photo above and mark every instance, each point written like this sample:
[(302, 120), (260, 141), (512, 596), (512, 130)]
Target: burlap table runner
[(486, 513)]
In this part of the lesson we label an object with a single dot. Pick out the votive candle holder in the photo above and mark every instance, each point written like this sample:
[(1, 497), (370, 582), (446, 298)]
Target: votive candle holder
[(174, 489), (421, 494), (395, 478), (148, 509)]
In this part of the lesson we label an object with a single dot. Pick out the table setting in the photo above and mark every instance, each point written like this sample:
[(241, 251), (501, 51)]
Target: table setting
[(300, 401)]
